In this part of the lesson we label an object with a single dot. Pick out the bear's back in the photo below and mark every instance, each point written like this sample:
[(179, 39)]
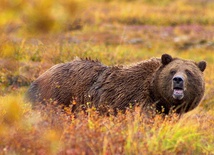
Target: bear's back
[(65, 80)]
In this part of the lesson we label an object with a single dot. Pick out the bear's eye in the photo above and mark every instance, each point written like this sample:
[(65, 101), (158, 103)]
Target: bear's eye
[(172, 72), (188, 72)]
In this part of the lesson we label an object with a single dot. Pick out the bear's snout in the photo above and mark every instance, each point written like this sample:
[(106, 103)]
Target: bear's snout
[(178, 81), (178, 87)]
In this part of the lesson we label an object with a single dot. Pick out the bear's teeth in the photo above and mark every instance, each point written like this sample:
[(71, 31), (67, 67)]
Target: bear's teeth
[(178, 91), (178, 94)]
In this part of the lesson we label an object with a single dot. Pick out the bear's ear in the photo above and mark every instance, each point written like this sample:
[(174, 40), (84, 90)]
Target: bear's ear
[(202, 65), (166, 58)]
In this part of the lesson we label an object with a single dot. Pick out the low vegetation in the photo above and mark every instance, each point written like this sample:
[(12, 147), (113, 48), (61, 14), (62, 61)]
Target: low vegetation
[(38, 34)]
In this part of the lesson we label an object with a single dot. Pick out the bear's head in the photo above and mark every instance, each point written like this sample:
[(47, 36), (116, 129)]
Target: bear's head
[(178, 84)]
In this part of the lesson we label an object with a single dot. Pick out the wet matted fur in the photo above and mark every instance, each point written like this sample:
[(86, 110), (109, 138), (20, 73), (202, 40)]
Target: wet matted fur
[(146, 83)]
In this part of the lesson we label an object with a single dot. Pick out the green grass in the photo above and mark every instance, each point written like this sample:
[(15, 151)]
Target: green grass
[(35, 36)]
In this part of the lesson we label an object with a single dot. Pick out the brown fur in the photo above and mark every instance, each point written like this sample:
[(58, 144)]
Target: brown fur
[(83, 81)]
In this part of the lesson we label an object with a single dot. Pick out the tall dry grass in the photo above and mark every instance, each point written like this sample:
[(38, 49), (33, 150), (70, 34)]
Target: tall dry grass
[(38, 34)]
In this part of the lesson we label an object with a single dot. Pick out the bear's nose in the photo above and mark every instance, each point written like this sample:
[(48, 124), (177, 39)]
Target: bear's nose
[(178, 80)]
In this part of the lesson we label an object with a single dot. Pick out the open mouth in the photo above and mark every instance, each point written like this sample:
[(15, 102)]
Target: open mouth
[(178, 93)]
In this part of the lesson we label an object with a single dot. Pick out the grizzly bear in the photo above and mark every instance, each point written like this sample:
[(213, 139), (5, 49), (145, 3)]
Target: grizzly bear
[(170, 84)]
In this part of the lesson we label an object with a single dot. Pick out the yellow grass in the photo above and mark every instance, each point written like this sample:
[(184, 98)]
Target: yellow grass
[(38, 34)]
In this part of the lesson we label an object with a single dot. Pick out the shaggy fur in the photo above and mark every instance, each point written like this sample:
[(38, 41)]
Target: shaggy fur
[(86, 81)]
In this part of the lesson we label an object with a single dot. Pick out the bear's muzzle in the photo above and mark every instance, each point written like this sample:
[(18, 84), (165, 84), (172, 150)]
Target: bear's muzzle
[(178, 87)]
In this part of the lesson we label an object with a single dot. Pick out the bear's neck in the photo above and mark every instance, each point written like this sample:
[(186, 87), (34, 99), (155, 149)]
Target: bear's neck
[(156, 96), (121, 86), (137, 78), (143, 69)]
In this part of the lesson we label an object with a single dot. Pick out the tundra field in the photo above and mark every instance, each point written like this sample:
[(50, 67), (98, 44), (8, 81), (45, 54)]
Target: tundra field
[(37, 34)]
